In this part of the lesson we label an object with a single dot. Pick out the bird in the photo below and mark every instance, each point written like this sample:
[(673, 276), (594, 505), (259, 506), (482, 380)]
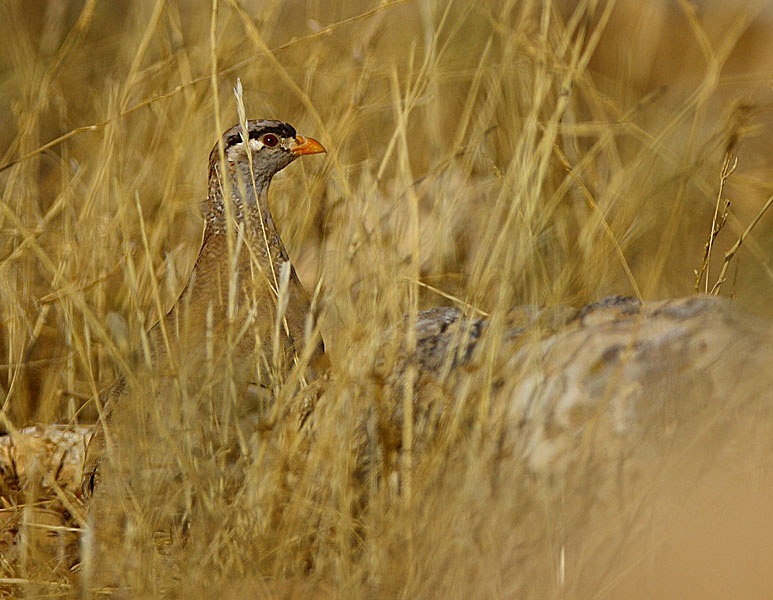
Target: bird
[(243, 316)]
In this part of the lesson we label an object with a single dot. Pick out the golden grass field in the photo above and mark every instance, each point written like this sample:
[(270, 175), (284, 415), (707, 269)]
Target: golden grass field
[(481, 154)]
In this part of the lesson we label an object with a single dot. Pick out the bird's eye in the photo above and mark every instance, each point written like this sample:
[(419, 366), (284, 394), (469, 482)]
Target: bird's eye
[(270, 140)]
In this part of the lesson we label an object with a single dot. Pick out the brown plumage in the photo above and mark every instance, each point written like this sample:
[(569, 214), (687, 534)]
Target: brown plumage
[(243, 316), (242, 284)]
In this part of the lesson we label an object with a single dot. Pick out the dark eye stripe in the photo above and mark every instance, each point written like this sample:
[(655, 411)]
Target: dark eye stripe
[(281, 130), (232, 140)]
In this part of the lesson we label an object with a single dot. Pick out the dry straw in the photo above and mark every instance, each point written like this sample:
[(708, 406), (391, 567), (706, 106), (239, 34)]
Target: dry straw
[(480, 155)]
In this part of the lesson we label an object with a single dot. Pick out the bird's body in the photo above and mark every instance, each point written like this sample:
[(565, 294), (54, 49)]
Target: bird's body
[(237, 281), (243, 315)]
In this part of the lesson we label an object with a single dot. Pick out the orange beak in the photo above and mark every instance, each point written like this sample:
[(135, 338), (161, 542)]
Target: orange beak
[(307, 145)]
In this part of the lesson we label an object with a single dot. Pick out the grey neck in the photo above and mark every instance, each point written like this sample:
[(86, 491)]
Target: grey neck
[(249, 199), (249, 209)]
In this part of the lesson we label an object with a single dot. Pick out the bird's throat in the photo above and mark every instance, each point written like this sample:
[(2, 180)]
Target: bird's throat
[(249, 214)]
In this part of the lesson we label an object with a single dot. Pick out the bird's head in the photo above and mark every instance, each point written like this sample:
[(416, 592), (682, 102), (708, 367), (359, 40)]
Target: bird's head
[(267, 147)]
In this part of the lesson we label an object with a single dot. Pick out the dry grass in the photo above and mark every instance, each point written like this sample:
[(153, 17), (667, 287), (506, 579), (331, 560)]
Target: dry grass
[(487, 154)]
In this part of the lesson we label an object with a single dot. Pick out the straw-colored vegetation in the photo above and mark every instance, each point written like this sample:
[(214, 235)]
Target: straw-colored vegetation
[(485, 155)]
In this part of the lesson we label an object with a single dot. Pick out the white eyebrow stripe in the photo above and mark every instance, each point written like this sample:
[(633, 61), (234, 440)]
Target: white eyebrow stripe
[(238, 148)]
